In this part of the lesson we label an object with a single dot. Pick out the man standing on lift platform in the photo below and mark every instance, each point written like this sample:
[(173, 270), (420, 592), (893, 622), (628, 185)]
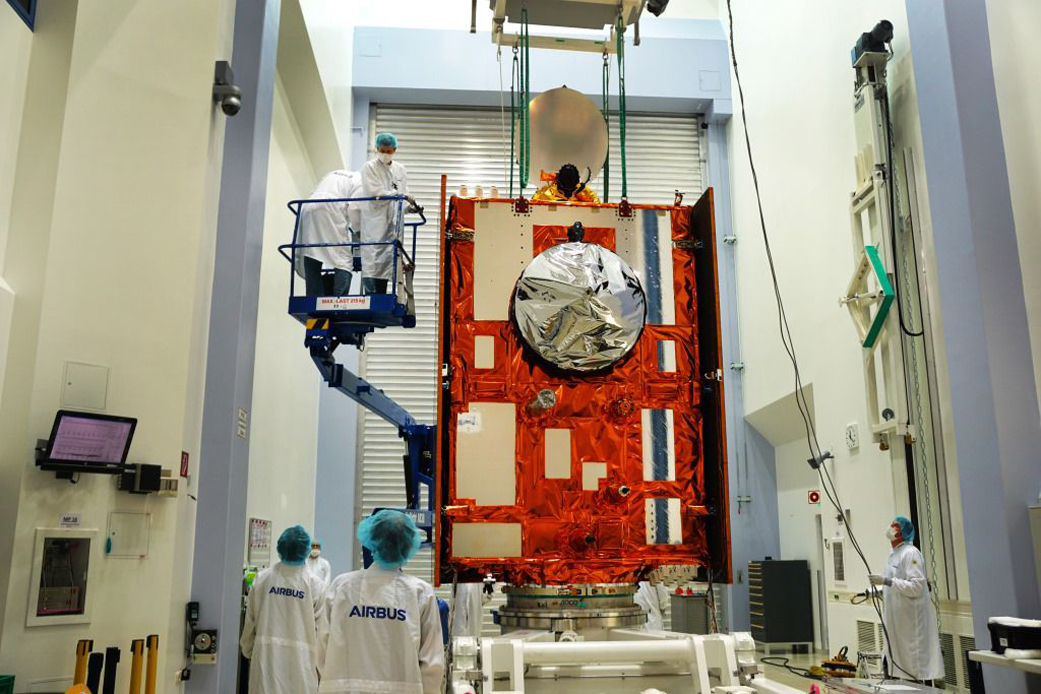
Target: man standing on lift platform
[(382, 177)]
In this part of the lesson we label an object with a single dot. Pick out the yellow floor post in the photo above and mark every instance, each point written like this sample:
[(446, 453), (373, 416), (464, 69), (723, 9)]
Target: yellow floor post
[(137, 654), (83, 649), (153, 663)]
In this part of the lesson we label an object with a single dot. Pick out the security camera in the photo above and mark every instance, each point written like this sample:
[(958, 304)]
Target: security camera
[(874, 41), (230, 102), (656, 7), (225, 92)]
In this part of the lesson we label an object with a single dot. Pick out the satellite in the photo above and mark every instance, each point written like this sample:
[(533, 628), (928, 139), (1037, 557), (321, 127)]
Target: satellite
[(581, 416)]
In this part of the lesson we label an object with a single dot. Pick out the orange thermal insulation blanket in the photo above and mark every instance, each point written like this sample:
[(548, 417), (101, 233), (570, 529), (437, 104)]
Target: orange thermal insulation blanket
[(570, 534)]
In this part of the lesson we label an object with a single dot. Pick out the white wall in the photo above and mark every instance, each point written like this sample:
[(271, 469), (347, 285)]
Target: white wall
[(330, 24), (802, 147), (797, 517), (798, 520), (423, 14), (284, 417), (110, 254), (801, 123), (420, 14), (15, 43), (1013, 34), (692, 9), (15, 47), (794, 476), (907, 133)]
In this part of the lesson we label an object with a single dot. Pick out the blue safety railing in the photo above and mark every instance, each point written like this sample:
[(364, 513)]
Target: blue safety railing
[(292, 251), (348, 322)]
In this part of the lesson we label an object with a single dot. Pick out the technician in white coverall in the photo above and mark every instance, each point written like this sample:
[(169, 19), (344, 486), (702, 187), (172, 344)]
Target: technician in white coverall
[(384, 627), (381, 176), (653, 599), (468, 609), (319, 565), (329, 222), (913, 646), (284, 617)]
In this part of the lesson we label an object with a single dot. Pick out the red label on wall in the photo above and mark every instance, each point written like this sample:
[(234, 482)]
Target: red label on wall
[(184, 464), (814, 497)]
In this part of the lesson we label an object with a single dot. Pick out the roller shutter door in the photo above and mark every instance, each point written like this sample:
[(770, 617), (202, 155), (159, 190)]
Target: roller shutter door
[(663, 155)]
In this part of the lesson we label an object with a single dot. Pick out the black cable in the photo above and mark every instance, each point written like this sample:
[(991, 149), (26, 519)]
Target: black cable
[(891, 175), (874, 596), (784, 662), (789, 346)]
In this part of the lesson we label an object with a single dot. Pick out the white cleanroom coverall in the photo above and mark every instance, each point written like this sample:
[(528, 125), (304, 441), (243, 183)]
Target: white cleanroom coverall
[(910, 618), (284, 617), (653, 599), (327, 222), (379, 218), (319, 566), (468, 610), (384, 635)]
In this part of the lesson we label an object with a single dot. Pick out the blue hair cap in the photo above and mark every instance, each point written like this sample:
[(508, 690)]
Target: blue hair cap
[(906, 528), (294, 544), (391, 536), (386, 140)]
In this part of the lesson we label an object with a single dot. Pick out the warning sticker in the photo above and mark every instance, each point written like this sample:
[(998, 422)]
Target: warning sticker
[(469, 423), (343, 303)]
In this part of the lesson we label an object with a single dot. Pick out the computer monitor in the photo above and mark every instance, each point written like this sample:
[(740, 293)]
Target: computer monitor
[(88, 442)]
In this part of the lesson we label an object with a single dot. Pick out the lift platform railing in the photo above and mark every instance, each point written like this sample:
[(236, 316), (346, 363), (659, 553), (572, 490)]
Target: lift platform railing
[(295, 252), (347, 318)]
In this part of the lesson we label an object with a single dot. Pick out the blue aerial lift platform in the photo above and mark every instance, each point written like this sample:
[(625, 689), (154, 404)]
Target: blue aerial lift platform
[(332, 321)]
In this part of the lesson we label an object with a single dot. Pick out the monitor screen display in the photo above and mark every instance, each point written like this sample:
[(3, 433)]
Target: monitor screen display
[(90, 439)]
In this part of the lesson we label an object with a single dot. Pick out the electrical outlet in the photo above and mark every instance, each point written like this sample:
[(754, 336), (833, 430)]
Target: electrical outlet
[(852, 436)]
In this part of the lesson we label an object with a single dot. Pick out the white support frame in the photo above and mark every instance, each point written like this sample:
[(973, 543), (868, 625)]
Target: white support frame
[(629, 9), (872, 197), (728, 660), (894, 364)]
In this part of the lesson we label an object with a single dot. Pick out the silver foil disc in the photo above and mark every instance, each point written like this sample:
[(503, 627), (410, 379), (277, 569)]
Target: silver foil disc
[(579, 306)]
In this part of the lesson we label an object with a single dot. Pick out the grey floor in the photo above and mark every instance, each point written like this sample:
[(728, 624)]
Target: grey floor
[(800, 660)]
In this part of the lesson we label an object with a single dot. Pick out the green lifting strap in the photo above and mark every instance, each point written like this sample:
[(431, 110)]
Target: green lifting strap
[(621, 102), (526, 97), (527, 101), (513, 117), (606, 82)]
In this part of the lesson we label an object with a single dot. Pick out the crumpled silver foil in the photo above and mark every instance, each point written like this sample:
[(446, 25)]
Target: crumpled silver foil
[(579, 306)]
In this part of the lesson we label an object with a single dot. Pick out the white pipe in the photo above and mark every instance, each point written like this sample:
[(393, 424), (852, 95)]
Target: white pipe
[(579, 652)]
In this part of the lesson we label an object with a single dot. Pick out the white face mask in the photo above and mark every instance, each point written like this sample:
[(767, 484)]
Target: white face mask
[(315, 553), (891, 533), (385, 158)]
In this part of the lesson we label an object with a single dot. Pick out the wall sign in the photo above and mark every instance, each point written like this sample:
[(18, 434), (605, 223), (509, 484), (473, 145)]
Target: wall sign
[(259, 553)]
